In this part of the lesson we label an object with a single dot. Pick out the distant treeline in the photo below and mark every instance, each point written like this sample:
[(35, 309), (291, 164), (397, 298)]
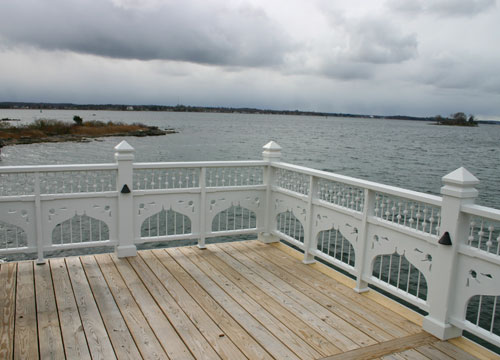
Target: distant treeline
[(187, 108)]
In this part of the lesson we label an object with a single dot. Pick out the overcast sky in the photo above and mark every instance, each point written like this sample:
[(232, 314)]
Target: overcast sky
[(411, 57)]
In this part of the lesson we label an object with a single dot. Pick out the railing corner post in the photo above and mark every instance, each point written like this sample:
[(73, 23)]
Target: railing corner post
[(458, 190), (271, 153), (124, 156)]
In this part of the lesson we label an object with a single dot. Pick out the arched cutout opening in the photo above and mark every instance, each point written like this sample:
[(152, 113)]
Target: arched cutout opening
[(80, 229), (398, 272), (12, 236), (331, 242), (484, 311), (166, 223), (234, 218), (288, 224)]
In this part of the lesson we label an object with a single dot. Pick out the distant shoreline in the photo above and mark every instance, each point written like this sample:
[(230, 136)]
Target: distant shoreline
[(187, 108), (208, 109)]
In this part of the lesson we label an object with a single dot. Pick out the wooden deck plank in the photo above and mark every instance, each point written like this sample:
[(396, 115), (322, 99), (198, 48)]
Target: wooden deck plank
[(386, 348), (301, 328), (334, 329), (453, 351), (272, 344), (159, 323), (171, 290), (26, 335), (8, 274), (49, 332), (330, 333), (74, 340), (346, 313), (273, 324), (432, 353), (97, 338), (251, 348), (140, 330), (188, 332), (392, 322), (392, 357), (376, 297), (231, 301), (118, 332), (412, 354), (474, 348)]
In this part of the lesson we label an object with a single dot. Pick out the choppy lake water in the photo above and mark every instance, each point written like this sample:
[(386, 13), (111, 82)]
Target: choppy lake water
[(409, 154)]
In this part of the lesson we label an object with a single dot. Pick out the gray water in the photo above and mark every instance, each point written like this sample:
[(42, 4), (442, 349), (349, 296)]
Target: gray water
[(409, 154)]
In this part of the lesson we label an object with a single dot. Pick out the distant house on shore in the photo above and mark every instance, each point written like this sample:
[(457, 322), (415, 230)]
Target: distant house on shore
[(130, 108)]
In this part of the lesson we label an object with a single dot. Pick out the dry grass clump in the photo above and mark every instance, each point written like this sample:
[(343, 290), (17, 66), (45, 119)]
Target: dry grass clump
[(106, 129)]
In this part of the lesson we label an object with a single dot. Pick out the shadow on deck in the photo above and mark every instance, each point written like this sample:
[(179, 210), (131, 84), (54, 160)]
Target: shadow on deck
[(231, 301)]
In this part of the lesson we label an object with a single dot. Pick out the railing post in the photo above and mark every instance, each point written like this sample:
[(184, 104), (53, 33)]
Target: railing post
[(310, 241), (271, 153), (368, 210), (124, 156), (203, 202), (458, 190), (39, 221)]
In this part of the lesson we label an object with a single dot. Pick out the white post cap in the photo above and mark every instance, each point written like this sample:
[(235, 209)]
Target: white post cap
[(124, 151), (460, 183), (272, 151)]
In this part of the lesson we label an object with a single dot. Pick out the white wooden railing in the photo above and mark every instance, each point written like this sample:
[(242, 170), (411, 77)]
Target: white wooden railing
[(440, 254)]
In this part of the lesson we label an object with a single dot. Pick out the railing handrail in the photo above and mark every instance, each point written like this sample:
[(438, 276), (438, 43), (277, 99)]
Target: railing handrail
[(370, 185), (483, 211), (137, 165), (199, 164), (56, 168)]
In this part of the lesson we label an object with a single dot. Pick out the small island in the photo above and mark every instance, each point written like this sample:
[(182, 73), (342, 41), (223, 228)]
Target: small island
[(457, 119), (51, 130)]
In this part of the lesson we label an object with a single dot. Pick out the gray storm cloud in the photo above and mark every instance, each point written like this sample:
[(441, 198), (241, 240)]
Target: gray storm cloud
[(377, 41), (416, 57), (203, 32), (442, 7)]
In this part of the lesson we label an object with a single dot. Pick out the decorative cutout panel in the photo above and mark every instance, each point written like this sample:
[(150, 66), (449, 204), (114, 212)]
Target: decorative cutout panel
[(289, 225), (333, 243), (165, 223), (12, 236), (234, 218), (396, 271), (80, 229)]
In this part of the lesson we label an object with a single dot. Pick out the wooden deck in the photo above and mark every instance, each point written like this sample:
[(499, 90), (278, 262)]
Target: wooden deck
[(231, 301)]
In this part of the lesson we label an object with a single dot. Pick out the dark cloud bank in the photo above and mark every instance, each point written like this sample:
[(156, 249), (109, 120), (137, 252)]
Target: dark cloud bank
[(202, 32)]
